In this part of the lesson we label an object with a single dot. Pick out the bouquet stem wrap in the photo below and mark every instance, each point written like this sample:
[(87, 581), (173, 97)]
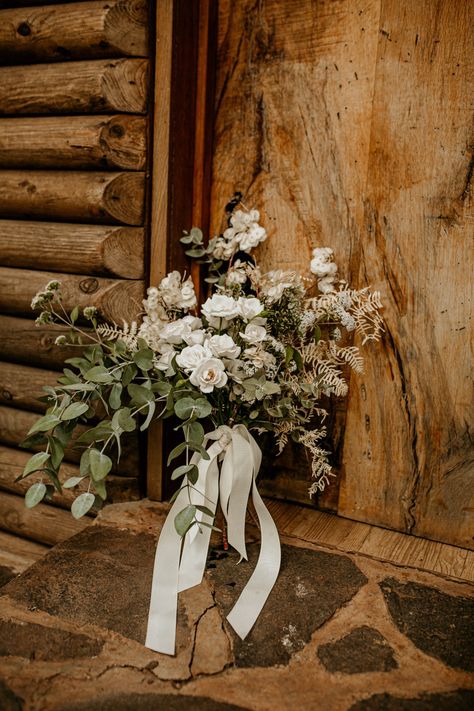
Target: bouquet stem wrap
[(180, 562)]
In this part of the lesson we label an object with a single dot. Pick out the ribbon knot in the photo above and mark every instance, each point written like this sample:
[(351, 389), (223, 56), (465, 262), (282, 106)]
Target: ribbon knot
[(180, 563)]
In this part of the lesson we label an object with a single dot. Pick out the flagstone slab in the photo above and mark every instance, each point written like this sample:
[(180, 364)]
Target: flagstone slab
[(151, 702), (362, 650), (437, 623), (311, 587), (100, 576), (26, 639), (459, 700), (9, 701)]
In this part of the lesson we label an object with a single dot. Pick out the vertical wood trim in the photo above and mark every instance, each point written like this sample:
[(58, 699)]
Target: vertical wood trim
[(159, 222), (186, 38)]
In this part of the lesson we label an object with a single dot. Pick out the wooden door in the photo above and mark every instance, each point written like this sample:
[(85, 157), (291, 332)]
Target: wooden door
[(349, 124)]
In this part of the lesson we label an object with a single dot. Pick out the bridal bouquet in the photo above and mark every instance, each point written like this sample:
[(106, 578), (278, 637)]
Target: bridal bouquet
[(256, 356)]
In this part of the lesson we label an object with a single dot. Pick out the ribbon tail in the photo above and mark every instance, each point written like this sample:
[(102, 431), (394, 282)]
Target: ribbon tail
[(161, 628), (246, 610)]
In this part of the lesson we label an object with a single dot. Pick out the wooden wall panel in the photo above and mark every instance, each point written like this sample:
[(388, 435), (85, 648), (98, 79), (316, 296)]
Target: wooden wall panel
[(348, 125)]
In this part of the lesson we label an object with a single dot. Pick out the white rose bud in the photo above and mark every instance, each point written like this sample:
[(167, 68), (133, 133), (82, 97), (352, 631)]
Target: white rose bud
[(218, 307), (250, 307), (254, 334)]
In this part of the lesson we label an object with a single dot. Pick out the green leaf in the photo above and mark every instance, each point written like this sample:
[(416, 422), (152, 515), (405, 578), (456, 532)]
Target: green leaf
[(187, 407), (196, 252), (44, 424), (82, 504), (74, 314), (196, 235), (84, 464), (179, 449), (101, 490), (161, 388), (128, 373), (33, 441), (183, 469), (288, 354), (72, 481), (149, 417), (57, 452), (139, 394), (195, 432), (317, 334), (100, 464), (205, 510), (298, 359), (76, 409), (115, 396), (96, 434), (35, 494), (144, 358), (79, 387), (36, 462), (98, 374), (184, 520), (122, 420)]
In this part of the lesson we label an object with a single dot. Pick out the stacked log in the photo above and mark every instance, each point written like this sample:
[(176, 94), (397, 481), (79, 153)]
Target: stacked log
[(74, 86)]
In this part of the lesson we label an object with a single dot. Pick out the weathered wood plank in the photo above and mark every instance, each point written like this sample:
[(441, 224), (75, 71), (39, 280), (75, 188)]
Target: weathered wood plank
[(21, 341), (73, 248), (82, 30), (323, 112), (101, 86), (73, 195), (75, 142), (22, 385), (18, 553), (15, 423), (117, 300), (356, 537), (411, 466), (12, 463), (46, 524)]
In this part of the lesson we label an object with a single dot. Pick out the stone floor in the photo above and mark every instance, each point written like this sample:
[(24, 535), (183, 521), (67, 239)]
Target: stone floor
[(338, 632)]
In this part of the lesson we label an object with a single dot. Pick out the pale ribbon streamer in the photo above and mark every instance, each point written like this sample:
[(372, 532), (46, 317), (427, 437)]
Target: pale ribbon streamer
[(180, 565)]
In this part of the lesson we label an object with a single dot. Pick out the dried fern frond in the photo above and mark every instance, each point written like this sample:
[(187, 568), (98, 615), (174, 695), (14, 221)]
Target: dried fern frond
[(347, 354), (282, 430), (365, 310), (320, 467), (127, 333)]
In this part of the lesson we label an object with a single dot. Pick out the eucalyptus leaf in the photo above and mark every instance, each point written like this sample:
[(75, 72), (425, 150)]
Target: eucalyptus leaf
[(72, 482), (149, 417), (44, 424), (98, 374), (144, 358), (139, 394), (100, 464), (184, 519), (115, 397), (76, 409), (35, 494), (195, 432), (82, 504), (36, 462), (74, 314), (100, 488), (84, 464), (182, 470), (179, 449), (122, 420), (57, 451), (205, 510)]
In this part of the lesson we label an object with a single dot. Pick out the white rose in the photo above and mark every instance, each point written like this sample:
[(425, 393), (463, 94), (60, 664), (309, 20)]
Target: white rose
[(165, 359), (174, 331), (219, 307), (208, 375), (254, 334), (249, 307), (223, 346), (191, 356), (251, 238), (195, 337), (192, 321)]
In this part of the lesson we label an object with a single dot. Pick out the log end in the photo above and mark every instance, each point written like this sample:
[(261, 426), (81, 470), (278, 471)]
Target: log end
[(123, 252), (126, 27)]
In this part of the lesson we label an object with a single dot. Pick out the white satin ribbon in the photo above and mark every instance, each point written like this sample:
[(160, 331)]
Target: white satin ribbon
[(180, 564)]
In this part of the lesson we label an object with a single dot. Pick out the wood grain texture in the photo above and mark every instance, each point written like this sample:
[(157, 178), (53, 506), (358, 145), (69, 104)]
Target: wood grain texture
[(75, 142), (411, 467), (401, 549), (44, 524), (22, 385), (100, 86), (18, 554), (21, 341), (73, 248), (16, 423), (348, 124), (73, 195), (12, 463), (117, 300), (81, 30)]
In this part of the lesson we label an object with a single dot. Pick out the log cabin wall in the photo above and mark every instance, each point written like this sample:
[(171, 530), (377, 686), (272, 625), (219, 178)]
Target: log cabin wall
[(74, 120), (349, 124)]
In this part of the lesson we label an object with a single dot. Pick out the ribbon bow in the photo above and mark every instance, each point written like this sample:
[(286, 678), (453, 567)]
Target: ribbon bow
[(180, 563)]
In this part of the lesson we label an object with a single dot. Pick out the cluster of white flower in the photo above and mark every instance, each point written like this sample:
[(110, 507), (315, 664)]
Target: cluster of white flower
[(173, 294), (244, 234), (273, 284), (324, 268)]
